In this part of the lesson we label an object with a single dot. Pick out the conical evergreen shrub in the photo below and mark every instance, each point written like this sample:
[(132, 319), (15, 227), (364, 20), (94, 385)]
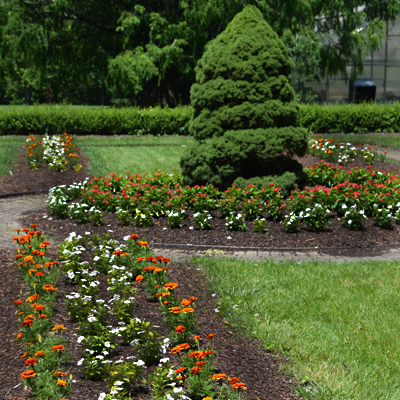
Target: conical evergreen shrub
[(245, 112)]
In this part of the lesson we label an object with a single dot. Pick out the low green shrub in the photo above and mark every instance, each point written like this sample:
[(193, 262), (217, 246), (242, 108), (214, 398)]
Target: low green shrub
[(85, 120), (350, 118)]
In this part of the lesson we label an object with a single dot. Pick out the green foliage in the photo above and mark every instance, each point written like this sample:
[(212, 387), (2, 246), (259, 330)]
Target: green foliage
[(350, 118), (243, 106), (83, 120)]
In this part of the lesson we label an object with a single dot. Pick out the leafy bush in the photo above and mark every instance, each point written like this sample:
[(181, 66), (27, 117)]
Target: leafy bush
[(348, 118), (243, 107), (84, 120)]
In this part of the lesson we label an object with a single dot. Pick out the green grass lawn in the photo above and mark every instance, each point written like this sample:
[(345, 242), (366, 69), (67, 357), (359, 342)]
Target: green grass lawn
[(338, 323), (137, 155), (389, 141), (9, 151)]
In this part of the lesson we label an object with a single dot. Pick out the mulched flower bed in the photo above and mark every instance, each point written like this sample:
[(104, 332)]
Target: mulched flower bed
[(237, 356)]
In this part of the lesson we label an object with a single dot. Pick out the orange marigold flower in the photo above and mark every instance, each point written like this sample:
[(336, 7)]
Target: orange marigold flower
[(61, 382), (158, 270), (39, 307), (207, 398), (151, 258), (219, 376), (167, 302), (26, 354), (19, 336), (40, 353), (139, 278), (175, 310), (42, 316), (141, 259), (17, 302), (28, 259), (234, 380), (134, 236), (27, 322), (166, 260), (18, 256), (20, 313), (142, 243), (170, 286), (34, 226), (159, 258), (200, 363), (179, 377), (31, 298), (196, 354), (25, 230), (49, 288), (159, 294), (185, 303), (30, 361), (59, 347), (196, 337), (55, 327), (193, 298), (40, 273), (48, 264), (178, 371), (211, 335), (239, 385), (31, 271), (206, 353), (28, 374), (180, 329), (195, 370), (58, 373), (165, 294), (188, 309)]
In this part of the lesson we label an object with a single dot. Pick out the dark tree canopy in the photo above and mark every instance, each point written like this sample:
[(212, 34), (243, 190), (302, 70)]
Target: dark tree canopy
[(244, 107), (145, 51)]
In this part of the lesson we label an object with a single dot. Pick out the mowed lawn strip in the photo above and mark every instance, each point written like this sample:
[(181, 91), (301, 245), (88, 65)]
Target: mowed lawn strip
[(10, 148), (338, 323), (135, 154), (377, 141)]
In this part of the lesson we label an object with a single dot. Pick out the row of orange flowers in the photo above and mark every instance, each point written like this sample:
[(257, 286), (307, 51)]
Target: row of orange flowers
[(45, 346), (58, 152), (195, 360)]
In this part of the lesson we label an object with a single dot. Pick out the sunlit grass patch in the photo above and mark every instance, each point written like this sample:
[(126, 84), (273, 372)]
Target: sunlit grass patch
[(9, 151), (338, 323), (135, 154)]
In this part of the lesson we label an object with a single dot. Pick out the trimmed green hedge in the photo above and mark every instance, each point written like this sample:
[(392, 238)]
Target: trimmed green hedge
[(350, 118), (86, 120)]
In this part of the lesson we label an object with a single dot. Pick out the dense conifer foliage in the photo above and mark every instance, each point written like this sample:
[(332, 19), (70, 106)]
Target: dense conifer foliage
[(244, 109)]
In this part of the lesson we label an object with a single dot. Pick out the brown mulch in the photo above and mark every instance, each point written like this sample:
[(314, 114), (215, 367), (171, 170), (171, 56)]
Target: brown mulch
[(25, 179)]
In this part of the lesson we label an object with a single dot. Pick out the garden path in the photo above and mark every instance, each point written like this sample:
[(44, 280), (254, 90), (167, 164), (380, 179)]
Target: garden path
[(391, 152), (12, 209)]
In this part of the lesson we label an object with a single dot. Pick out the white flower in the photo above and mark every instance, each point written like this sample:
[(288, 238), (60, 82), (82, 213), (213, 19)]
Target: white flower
[(178, 389), (80, 338), (92, 319), (80, 361), (134, 342), (139, 363), (107, 344), (102, 396), (214, 294), (118, 383), (216, 309), (169, 397), (163, 360)]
